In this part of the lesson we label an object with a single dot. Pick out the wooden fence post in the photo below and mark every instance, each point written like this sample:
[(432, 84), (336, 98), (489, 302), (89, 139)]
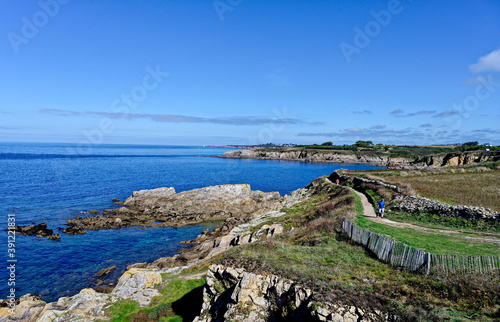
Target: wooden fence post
[(428, 268)]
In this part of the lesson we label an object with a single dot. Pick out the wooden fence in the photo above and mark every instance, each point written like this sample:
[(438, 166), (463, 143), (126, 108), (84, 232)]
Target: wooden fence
[(401, 255)]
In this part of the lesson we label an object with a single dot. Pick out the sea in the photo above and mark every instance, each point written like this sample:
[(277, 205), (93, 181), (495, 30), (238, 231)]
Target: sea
[(50, 183)]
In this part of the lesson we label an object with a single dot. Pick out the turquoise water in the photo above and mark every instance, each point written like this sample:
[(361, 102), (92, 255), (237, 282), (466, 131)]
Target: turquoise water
[(51, 183)]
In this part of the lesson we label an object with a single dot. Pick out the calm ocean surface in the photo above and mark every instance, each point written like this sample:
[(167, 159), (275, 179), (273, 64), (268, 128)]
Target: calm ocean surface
[(51, 183)]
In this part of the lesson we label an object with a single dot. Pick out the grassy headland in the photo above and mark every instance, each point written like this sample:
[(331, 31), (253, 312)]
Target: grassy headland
[(316, 255)]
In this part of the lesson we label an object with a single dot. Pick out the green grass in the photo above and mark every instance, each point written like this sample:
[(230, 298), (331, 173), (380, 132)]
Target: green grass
[(176, 303), (359, 206), (123, 310), (433, 242), (340, 271), (440, 222)]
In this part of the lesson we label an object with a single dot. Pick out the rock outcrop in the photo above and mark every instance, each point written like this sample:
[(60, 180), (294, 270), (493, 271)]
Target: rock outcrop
[(88, 305), (233, 294), (137, 284), (163, 207), (39, 231), (318, 156), (235, 231)]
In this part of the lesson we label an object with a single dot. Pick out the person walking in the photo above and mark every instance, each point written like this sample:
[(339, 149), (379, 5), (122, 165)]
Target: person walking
[(381, 208)]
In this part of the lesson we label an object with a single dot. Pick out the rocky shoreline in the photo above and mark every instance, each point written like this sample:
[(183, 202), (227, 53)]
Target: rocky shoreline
[(137, 283), (241, 293), (163, 207)]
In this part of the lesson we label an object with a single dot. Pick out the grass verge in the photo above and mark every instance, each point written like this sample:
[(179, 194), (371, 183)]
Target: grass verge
[(178, 297), (434, 241), (440, 222)]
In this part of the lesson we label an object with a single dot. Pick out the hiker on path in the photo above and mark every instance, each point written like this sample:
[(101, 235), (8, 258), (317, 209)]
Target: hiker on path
[(381, 208)]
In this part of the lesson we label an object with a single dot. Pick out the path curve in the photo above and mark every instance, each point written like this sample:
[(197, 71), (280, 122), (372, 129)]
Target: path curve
[(369, 213)]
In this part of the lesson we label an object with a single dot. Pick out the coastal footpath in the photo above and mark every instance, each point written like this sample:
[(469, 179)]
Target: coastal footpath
[(367, 157), (284, 260)]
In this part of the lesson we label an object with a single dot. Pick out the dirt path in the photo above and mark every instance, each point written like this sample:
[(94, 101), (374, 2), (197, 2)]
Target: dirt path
[(369, 213)]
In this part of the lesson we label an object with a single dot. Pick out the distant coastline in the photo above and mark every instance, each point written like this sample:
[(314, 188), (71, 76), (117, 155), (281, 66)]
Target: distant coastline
[(374, 158)]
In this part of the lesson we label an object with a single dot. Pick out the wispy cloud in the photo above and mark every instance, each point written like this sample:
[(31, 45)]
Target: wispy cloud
[(171, 118), (278, 77), (401, 113), (448, 113), (489, 62), (426, 125), (58, 112), (362, 112), (397, 112)]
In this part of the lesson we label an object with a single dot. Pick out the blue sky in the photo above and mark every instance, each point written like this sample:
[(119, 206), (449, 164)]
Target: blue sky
[(249, 72)]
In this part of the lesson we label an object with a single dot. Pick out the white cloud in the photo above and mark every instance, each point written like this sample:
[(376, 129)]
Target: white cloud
[(490, 62)]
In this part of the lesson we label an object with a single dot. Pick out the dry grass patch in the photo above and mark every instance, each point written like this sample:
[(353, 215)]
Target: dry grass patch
[(471, 186), (480, 189)]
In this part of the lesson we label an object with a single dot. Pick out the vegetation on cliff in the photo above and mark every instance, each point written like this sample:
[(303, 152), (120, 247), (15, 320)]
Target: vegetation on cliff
[(315, 253)]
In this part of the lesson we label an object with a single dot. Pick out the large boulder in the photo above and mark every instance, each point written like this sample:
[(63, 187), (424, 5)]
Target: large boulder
[(27, 310), (216, 201), (137, 284), (163, 207)]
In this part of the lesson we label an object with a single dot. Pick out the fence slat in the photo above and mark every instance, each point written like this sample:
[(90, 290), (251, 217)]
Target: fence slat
[(401, 255)]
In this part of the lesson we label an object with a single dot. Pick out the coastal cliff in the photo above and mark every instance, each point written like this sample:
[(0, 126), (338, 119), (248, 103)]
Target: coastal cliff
[(310, 155), (368, 157), (454, 159)]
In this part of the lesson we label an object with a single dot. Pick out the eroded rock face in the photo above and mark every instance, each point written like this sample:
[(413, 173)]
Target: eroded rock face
[(316, 156), (237, 295), (233, 294), (454, 159), (435, 160), (163, 207)]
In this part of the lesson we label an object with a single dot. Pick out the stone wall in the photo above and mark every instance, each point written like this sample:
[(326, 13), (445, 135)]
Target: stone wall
[(413, 204)]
